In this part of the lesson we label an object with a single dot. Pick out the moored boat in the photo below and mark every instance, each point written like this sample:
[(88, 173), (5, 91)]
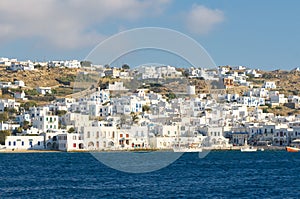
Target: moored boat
[(194, 147), (248, 149), (186, 149), (292, 149)]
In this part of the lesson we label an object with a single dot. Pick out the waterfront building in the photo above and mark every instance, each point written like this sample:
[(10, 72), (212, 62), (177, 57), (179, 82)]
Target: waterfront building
[(25, 142)]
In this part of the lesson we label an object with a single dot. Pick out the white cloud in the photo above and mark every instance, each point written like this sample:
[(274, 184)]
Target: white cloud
[(201, 20), (68, 24)]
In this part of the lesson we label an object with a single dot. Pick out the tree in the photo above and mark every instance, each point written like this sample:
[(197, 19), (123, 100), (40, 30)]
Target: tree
[(86, 63), (4, 117), (71, 130), (146, 108), (135, 118), (19, 130), (125, 66), (170, 96), (26, 125), (61, 112), (11, 111), (3, 135), (27, 105)]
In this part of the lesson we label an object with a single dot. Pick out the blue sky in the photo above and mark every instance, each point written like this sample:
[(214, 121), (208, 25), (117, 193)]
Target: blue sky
[(257, 34)]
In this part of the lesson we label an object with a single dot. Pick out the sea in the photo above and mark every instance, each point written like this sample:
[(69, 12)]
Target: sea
[(220, 174)]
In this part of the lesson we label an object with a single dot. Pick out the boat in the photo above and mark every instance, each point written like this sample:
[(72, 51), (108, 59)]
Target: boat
[(194, 147), (294, 147), (188, 147), (248, 148)]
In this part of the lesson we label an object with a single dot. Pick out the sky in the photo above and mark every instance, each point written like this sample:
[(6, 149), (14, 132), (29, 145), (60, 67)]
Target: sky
[(256, 34)]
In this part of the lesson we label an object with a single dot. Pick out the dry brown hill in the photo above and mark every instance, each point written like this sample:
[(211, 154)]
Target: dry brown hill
[(41, 77)]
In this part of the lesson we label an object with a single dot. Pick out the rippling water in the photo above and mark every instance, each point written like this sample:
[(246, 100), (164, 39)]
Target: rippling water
[(227, 174)]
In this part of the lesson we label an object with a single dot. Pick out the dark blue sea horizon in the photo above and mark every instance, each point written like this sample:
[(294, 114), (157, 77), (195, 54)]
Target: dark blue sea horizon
[(221, 174)]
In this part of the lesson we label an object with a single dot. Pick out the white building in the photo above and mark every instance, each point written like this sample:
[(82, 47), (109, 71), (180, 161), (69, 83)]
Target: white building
[(44, 90), (9, 103), (19, 83), (46, 122), (5, 84), (71, 64), (103, 96), (25, 142), (15, 66), (116, 86), (8, 126), (70, 142), (251, 101), (20, 95), (277, 98), (215, 138), (269, 85)]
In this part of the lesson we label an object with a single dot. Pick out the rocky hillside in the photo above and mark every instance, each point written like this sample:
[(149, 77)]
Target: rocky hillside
[(41, 77)]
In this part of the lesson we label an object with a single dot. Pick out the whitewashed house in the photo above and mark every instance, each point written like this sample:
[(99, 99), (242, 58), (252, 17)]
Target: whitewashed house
[(20, 95), (46, 123), (44, 90), (114, 73), (71, 64), (269, 85), (5, 84), (25, 142), (19, 83), (70, 142), (117, 86), (8, 126), (251, 101), (9, 103), (277, 98)]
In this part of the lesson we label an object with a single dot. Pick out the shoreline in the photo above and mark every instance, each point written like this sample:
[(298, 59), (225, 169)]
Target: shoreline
[(235, 148)]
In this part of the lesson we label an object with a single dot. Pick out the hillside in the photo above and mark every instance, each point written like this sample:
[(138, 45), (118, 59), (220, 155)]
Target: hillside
[(61, 81), (41, 77)]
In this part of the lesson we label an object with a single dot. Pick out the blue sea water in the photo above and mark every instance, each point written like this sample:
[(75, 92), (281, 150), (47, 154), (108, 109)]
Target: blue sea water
[(221, 174)]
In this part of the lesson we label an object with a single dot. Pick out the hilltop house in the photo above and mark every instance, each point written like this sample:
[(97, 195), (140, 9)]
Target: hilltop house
[(269, 85), (44, 90)]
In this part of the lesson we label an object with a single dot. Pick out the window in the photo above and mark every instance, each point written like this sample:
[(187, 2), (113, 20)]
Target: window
[(74, 145), (9, 143), (30, 143), (39, 143), (121, 135), (88, 134), (46, 118), (127, 135), (14, 143)]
